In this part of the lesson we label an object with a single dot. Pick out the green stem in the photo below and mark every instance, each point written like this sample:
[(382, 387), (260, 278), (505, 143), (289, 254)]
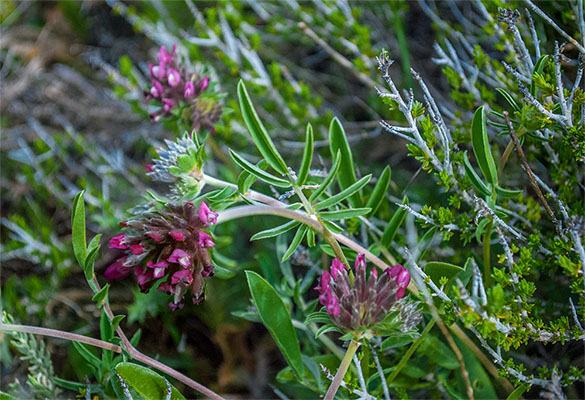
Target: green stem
[(487, 267), (334, 245), (409, 353), (353, 346)]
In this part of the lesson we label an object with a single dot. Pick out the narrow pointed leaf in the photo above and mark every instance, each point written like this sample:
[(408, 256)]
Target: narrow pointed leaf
[(329, 178), (379, 191), (507, 193), (277, 320), (343, 214), (78, 229), (307, 157), (258, 132), (538, 68), (344, 194), (475, 179), (295, 242), (346, 177), (254, 170), (100, 296), (509, 99), (392, 227), (481, 147), (279, 230)]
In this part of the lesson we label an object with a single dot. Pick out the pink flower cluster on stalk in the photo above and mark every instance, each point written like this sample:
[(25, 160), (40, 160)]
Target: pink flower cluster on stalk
[(173, 86), (167, 244), (366, 301)]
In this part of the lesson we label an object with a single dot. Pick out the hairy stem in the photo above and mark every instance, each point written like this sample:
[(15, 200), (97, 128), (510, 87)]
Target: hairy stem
[(353, 346)]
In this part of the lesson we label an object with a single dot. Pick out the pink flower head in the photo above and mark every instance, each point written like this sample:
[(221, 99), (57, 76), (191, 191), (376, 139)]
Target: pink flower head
[(157, 88), (204, 83), (176, 306), (360, 261), (159, 268), (181, 257), (178, 235), (322, 288), (205, 240), (183, 276), (166, 57), (117, 242), (167, 104), (206, 216), (402, 276), (332, 303), (144, 276), (336, 267), (375, 272), (157, 237), (117, 270), (136, 249), (157, 71), (166, 287), (148, 167), (189, 89), (173, 77)]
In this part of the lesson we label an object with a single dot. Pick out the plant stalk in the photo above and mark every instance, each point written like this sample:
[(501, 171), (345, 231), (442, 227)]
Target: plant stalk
[(353, 346)]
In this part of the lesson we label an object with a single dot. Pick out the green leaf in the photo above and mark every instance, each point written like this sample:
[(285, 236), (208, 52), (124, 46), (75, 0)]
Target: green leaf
[(254, 170), (538, 69), (295, 242), (481, 147), (349, 253), (277, 320), (88, 269), (101, 295), (319, 317), (338, 142), (87, 355), (116, 321), (258, 132), (147, 383), (475, 179), (507, 193), (343, 214), (435, 270), (78, 229), (279, 230), (307, 157), (480, 227), (517, 393), (379, 191), (509, 99), (329, 178), (94, 243), (344, 194), (392, 227)]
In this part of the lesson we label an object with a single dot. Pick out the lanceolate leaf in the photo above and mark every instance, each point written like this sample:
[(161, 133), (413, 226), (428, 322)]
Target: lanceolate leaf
[(277, 320), (346, 177), (307, 157), (260, 174), (147, 383), (392, 227), (379, 191), (78, 229), (343, 194), (279, 230), (481, 147), (295, 242), (538, 68), (258, 132), (509, 99), (507, 193), (475, 179), (343, 214), (435, 270), (328, 178)]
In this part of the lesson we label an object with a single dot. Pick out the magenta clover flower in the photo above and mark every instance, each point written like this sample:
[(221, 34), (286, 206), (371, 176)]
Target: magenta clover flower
[(367, 300), (168, 245), (174, 86)]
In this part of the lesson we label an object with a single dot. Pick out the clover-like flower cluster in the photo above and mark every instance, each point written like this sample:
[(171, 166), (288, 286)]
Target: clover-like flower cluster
[(174, 87), (364, 302), (167, 243)]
